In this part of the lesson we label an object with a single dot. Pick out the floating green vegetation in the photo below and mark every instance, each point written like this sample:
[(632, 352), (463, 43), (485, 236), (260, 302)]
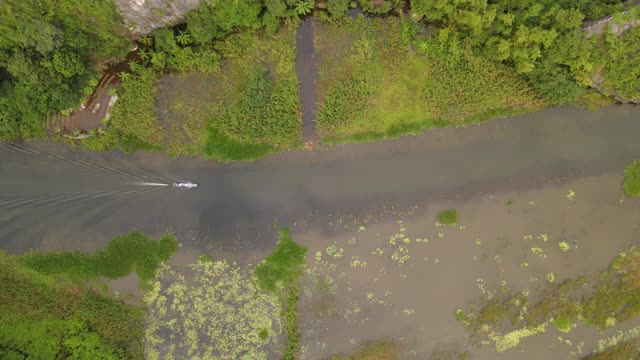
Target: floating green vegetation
[(283, 267), (632, 179), (448, 217), (52, 308), (278, 274), (383, 349), (620, 346), (564, 246), (614, 298), (214, 310), (133, 252)]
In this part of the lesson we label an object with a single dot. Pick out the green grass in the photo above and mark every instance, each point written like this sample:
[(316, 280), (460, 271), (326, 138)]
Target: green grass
[(52, 306), (373, 83), (122, 255), (631, 184), (244, 111), (279, 273), (448, 217)]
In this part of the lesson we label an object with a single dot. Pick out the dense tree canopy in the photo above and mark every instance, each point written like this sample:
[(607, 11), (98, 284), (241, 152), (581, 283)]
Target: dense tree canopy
[(48, 53), (541, 39)]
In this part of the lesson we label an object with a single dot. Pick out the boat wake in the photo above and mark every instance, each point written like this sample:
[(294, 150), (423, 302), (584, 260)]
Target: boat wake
[(140, 183)]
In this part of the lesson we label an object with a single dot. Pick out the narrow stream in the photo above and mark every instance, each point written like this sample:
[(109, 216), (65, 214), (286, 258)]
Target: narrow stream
[(307, 73)]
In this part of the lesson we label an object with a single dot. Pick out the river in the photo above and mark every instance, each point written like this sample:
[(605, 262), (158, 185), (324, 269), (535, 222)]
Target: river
[(55, 198)]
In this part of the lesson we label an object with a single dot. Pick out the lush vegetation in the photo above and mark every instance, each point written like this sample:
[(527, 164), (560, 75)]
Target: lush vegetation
[(623, 345), (615, 297), (49, 52), (374, 82), (465, 62), (448, 217), (278, 274), (210, 310), (448, 64), (133, 252), (50, 310), (247, 104), (631, 184)]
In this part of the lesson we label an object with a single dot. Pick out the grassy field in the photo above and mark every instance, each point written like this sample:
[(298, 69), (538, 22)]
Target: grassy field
[(380, 77), (245, 106), (53, 307)]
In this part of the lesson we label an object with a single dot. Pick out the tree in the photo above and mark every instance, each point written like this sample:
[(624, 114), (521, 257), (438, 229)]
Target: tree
[(67, 63), (124, 76), (146, 40), (210, 21), (48, 49), (338, 8), (304, 7), (144, 54), (183, 38)]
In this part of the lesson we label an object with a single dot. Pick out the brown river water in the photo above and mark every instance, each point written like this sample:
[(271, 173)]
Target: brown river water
[(357, 196)]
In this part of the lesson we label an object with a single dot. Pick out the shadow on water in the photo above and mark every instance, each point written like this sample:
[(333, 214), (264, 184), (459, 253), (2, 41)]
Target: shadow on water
[(237, 205)]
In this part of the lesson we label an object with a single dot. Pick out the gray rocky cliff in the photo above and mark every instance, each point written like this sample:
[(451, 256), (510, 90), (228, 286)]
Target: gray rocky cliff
[(143, 16)]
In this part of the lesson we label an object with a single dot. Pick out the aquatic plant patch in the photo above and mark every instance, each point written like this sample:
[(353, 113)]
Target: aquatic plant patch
[(279, 274), (211, 310), (124, 254), (631, 184), (448, 217), (614, 298)]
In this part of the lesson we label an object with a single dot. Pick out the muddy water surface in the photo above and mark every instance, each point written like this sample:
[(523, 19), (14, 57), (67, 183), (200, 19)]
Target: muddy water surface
[(357, 198), (396, 273), (237, 205)]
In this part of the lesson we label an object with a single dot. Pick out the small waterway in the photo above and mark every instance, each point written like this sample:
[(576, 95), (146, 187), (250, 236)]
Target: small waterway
[(307, 73), (237, 204)]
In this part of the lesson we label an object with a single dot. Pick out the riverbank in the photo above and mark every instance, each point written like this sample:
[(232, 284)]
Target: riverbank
[(224, 87)]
